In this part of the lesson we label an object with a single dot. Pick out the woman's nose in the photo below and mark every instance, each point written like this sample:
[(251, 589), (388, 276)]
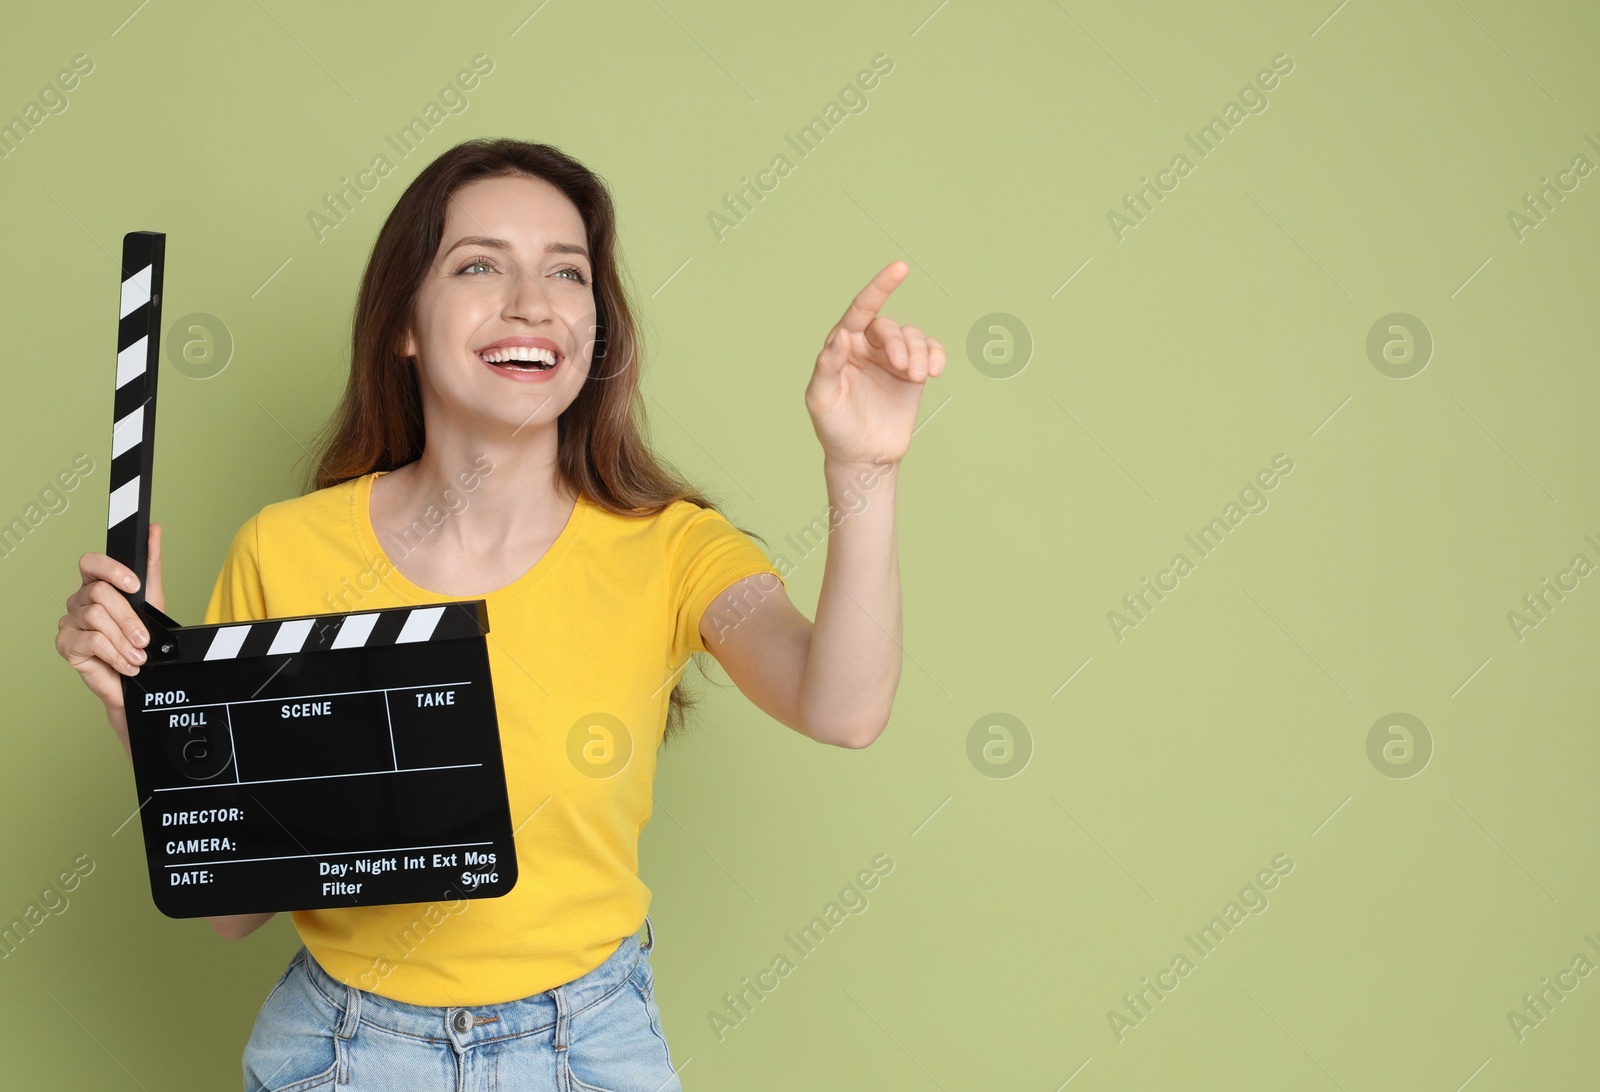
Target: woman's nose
[(527, 298)]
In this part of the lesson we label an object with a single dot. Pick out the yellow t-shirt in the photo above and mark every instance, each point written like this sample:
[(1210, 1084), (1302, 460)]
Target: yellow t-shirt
[(603, 623)]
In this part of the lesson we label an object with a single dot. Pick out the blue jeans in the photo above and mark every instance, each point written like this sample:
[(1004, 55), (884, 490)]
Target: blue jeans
[(598, 1033)]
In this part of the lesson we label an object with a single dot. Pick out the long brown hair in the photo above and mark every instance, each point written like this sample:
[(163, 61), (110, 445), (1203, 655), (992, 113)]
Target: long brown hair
[(601, 448)]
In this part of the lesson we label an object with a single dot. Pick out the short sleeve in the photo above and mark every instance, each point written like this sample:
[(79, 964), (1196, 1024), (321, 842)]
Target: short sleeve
[(238, 595), (711, 555)]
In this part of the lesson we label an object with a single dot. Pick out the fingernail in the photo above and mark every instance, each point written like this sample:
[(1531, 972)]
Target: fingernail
[(141, 636), (138, 656)]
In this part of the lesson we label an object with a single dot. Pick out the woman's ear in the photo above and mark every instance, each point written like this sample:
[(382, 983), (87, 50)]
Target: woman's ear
[(408, 344)]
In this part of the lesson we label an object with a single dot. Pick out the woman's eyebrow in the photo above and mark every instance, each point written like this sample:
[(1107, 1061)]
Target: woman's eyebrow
[(501, 244)]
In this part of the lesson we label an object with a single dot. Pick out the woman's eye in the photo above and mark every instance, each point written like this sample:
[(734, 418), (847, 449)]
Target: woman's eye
[(472, 264), (576, 273)]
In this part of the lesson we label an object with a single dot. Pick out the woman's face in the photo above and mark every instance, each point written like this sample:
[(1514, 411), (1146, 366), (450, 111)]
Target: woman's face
[(512, 274)]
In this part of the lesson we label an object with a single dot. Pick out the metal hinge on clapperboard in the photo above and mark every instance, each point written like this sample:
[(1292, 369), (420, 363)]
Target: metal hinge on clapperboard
[(304, 763)]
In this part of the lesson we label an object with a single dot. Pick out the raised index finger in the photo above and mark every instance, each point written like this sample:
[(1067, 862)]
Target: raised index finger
[(865, 307)]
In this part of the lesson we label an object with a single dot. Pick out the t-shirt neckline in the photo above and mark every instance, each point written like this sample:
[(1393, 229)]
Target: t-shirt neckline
[(361, 519)]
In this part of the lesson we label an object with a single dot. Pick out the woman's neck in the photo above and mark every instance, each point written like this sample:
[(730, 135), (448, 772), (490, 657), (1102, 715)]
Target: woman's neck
[(500, 495)]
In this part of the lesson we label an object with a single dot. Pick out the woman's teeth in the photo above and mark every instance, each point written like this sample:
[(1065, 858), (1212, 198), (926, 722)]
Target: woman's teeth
[(521, 358)]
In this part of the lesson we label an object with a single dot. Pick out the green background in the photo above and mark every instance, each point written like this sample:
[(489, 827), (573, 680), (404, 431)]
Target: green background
[(1229, 726)]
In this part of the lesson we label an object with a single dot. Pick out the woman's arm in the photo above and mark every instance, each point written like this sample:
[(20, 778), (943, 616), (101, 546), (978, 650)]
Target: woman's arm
[(238, 926), (834, 680)]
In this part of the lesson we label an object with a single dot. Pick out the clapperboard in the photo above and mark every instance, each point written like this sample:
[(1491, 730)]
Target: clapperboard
[(331, 760)]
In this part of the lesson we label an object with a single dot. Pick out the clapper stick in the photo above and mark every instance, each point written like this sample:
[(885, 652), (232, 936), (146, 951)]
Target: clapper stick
[(317, 761), (133, 432)]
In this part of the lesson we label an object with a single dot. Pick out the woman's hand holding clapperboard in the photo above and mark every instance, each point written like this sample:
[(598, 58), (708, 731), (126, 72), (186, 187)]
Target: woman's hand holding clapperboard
[(101, 636)]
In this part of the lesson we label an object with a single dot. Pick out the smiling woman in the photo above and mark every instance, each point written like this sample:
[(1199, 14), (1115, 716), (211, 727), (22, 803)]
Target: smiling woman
[(491, 324)]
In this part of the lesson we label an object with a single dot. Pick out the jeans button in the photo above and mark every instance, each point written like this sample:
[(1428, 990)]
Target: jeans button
[(461, 1021)]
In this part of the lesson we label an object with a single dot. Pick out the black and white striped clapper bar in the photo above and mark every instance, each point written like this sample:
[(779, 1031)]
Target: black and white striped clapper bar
[(331, 760)]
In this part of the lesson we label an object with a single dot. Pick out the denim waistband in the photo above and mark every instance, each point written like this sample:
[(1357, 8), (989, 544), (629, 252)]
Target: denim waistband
[(465, 1026)]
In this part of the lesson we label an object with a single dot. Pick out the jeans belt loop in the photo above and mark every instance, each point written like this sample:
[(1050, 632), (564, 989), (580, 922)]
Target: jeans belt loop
[(352, 1013), (559, 995)]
